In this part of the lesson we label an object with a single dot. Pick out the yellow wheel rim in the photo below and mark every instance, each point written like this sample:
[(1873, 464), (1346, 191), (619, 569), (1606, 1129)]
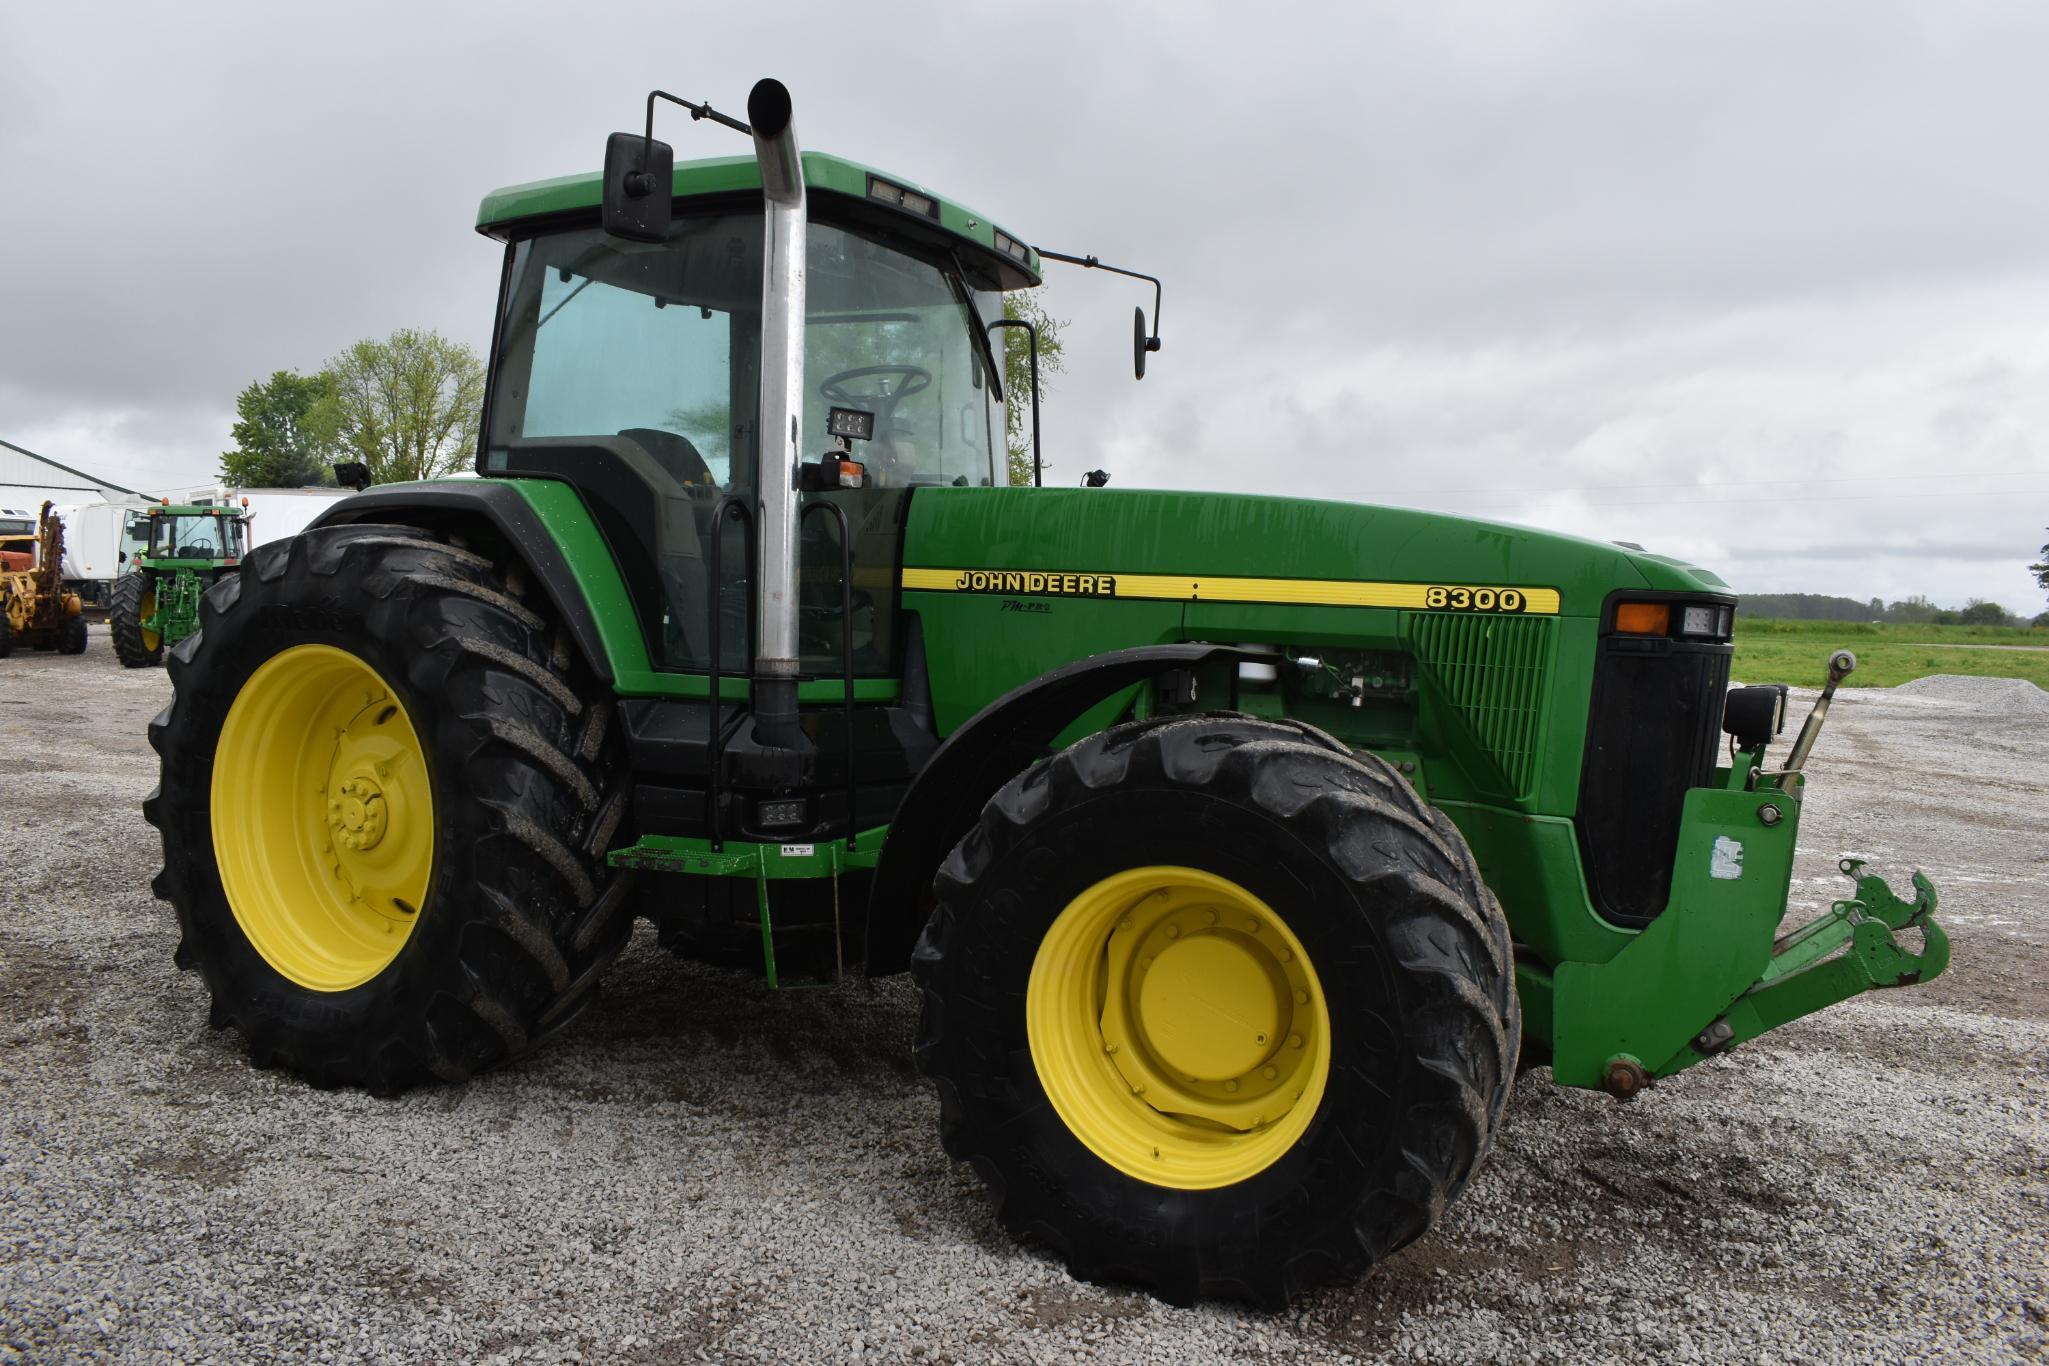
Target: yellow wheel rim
[(1178, 1027), (323, 817), (150, 639)]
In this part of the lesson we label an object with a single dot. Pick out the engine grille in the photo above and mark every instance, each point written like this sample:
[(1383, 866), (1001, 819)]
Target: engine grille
[(1490, 669)]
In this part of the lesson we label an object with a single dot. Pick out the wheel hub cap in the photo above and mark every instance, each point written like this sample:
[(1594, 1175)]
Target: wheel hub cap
[(356, 814), (1178, 1027), (323, 817)]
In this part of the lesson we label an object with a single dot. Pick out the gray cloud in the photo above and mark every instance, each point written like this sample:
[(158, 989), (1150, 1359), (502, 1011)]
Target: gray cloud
[(1757, 284)]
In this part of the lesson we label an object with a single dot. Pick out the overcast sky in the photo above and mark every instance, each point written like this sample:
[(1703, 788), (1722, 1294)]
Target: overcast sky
[(1763, 286)]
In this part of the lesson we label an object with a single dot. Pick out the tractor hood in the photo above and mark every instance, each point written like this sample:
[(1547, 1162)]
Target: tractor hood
[(1222, 546)]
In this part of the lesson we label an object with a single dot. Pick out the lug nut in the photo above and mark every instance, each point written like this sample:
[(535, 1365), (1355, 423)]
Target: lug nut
[(1770, 814), (1294, 1041)]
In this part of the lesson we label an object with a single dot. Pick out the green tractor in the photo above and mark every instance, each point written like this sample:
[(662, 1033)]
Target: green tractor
[(156, 603), (1237, 845)]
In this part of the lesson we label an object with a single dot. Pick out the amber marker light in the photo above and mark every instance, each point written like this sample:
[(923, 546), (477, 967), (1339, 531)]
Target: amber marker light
[(1643, 618)]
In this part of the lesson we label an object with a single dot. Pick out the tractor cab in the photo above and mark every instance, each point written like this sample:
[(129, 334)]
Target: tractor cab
[(632, 371), (206, 537)]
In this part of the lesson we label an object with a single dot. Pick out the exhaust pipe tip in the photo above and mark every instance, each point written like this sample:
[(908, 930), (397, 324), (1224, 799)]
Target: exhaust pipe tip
[(768, 108)]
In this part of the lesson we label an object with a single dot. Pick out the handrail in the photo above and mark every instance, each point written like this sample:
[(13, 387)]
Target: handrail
[(846, 644), (731, 503)]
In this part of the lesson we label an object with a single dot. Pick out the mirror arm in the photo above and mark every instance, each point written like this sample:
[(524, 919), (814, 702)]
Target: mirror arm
[(1032, 336), (697, 111), (1152, 342)]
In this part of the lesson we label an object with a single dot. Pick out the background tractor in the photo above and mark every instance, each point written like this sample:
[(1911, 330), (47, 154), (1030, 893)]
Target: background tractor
[(35, 610), (1236, 844), (156, 603)]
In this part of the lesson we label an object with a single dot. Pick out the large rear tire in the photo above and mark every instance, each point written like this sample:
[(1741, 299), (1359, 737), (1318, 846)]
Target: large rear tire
[(132, 602), (387, 791), (1217, 1008)]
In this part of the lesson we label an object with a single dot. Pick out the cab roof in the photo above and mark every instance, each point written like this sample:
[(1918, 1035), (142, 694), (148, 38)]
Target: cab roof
[(504, 211)]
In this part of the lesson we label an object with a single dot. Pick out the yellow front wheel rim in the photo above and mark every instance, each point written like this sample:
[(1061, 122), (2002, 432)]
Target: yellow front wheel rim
[(1178, 1027), (150, 639), (323, 817)]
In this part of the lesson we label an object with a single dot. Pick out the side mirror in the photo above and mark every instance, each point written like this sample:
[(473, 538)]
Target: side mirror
[(639, 172), (352, 474), (1142, 341)]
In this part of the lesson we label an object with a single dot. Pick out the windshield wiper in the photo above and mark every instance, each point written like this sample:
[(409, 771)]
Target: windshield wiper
[(957, 279), (587, 283)]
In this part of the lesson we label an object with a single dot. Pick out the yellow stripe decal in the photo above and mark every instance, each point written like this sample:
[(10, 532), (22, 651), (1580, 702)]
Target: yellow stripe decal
[(1422, 597)]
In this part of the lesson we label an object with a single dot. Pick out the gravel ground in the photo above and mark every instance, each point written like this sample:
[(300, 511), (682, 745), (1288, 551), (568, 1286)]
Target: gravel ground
[(702, 1170)]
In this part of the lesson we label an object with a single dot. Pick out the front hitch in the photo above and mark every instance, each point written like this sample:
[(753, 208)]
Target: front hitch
[(1806, 974)]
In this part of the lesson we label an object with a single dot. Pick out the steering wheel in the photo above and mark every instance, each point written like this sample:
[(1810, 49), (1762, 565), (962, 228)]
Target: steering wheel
[(915, 381)]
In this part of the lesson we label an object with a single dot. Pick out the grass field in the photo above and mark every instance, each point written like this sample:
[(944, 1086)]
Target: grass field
[(1796, 652)]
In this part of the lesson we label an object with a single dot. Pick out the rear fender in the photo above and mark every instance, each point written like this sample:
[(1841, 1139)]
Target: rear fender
[(445, 506)]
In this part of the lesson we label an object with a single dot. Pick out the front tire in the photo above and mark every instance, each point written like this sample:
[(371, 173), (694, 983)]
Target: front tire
[(72, 637), (386, 795), (132, 602), (1216, 1007)]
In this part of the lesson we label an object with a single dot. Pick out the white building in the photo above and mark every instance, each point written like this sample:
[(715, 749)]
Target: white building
[(27, 479)]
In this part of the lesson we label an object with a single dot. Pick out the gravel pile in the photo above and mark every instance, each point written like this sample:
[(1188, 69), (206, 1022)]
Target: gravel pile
[(2013, 695), (703, 1170)]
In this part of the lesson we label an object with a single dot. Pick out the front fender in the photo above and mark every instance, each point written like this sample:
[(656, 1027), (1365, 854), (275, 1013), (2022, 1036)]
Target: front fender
[(993, 746)]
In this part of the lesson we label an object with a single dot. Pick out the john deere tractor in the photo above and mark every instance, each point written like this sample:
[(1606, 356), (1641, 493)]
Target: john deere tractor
[(1236, 844), (156, 603), (35, 610)]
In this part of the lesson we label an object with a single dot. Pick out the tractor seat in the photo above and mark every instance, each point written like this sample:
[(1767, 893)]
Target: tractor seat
[(675, 453)]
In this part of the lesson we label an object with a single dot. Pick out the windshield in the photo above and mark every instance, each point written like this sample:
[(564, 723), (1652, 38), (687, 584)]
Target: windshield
[(195, 537), (647, 356), (659, 343)]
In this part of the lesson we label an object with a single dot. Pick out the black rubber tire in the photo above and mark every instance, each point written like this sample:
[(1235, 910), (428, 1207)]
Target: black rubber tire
[(72, 636), (1424, 1023), (124, 622), (521, 914), (6, 632)]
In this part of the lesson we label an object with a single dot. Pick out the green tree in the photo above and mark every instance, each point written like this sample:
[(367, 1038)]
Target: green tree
[(2041, 570), (1915, 611), (1978, 612), (408, 406), (284, 433), (1017, 376)]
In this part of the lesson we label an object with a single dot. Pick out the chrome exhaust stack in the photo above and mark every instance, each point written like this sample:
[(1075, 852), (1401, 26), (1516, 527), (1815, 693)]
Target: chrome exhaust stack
[(782, 412)]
